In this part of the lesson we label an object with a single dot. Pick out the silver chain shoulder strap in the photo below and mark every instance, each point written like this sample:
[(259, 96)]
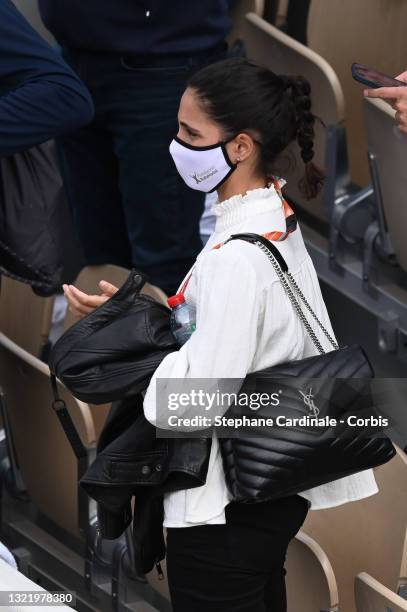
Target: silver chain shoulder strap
[(286, 278)]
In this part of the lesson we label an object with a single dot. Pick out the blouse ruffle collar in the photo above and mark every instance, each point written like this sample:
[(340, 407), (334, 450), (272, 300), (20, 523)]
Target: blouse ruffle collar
[(238, 208)]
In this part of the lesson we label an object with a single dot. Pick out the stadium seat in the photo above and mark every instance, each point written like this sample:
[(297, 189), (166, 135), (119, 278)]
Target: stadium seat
[(46, 460), (372, 596), (238, 14), (344, 209), (30, 332), (371, 32), (310, 580), (402, 583), (59, 525), (366, 535), (387, 147)]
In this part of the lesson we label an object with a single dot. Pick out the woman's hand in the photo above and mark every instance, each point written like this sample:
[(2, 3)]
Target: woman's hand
[(396, 97), (81, 304)]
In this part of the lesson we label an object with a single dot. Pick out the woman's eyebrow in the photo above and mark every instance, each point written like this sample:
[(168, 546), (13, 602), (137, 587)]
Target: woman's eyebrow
[(191, 129)]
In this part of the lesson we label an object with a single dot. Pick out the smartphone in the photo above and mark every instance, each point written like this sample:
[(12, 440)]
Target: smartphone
[(374, 78)]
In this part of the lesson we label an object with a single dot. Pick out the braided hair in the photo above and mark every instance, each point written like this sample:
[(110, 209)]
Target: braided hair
[(300, 90), (241, 96)]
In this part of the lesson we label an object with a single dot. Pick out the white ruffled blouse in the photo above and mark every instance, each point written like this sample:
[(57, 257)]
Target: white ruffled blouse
[(245, 323)]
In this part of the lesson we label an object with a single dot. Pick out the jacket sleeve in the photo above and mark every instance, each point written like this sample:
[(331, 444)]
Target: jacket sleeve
[(220, 352), (40, 96)]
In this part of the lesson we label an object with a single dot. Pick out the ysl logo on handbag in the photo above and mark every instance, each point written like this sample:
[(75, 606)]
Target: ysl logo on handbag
[(309, 402)]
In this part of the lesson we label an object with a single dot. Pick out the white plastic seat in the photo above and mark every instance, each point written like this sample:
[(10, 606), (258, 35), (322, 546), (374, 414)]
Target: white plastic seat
[(310, 580), (372, 596), (25, 317), (371, 32), (46, 460), (402, 582), (366, 535)]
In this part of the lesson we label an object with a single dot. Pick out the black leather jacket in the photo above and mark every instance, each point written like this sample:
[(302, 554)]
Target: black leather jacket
[(132, 461)]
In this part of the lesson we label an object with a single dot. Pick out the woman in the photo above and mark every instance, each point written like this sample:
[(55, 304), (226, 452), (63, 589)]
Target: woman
[(235, 120)]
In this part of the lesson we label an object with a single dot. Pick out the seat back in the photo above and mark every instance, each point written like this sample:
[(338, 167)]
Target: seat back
[(25, 317), (388, 146), (371, 32), (238, 14), (402, 583), (372, 596), (46, 460), (366, 535), (270, 47), (310, 580)]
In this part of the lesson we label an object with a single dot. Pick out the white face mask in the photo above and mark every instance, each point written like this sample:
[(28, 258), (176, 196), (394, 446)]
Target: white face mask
[(202, 168)]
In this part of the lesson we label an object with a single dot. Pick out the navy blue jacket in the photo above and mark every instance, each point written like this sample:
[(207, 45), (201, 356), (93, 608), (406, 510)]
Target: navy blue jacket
[(142, 27), (40, 97)]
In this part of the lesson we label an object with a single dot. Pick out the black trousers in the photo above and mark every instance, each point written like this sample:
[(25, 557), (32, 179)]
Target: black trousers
[(238, 566)]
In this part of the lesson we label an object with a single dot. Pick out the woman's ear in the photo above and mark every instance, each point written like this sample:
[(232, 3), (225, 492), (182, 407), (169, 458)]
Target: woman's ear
[(241, 148)]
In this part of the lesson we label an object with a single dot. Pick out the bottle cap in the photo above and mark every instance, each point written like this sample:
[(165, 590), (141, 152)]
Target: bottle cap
[(175, 300)]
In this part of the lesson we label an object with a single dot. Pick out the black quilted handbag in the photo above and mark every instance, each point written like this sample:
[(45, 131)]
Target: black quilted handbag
[(271, 462)]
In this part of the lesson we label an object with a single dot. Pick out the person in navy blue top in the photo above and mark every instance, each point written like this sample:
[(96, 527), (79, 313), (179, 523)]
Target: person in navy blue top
[(40, 96), (135, 56), (139, 27)]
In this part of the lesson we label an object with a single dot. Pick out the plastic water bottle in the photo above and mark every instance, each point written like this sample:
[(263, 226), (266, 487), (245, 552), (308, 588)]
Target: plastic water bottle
[(182, 318)]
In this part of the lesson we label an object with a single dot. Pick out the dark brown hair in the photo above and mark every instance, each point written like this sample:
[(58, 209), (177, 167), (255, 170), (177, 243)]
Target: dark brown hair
[(241, 96)]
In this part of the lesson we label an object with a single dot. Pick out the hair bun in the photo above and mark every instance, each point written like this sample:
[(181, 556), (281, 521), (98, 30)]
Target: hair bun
[(302, 85)]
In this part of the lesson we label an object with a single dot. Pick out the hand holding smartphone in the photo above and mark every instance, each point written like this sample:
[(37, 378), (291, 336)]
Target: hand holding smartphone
[(374, 78), (392, 91)]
